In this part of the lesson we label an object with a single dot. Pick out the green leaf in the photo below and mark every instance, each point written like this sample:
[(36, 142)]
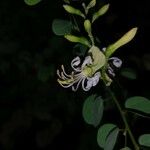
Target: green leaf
[(111, 139), (103, 133), (144, 140), (100, 12), (126, 148), (93, 110), (32, 2), (61, 27), (138, 103), (129, 73)]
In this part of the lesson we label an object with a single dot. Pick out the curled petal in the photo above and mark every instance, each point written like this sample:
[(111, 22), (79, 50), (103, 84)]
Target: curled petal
[(87, 61), (86, 87), (111, 71), (77, 86), (95, 79), (116, 62), (91, 82), (74, 64), (76, 61)]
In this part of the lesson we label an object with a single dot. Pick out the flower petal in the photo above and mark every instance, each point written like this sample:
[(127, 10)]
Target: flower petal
[(74, 64), (86, 87), (77, 85), (87, 61), (116, 62), (111, 71), (95, 79)]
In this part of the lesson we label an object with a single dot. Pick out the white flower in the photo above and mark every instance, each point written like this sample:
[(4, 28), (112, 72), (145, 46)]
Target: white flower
[(88, 73), (82, 74)]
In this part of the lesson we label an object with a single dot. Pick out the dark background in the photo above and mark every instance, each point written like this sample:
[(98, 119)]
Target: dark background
[(35, 112)]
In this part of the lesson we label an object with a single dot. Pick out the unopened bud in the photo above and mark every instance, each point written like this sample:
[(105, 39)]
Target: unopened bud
[(100, 12), (122, 41), (76, 39), (87, 26), (73, 10)]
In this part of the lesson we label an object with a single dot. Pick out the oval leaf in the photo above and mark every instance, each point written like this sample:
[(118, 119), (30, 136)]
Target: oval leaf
[(144, 140), (32, 2), (103, 133), (111, 139), (138, 103), (93, 110), (61, 27), (129, 73)]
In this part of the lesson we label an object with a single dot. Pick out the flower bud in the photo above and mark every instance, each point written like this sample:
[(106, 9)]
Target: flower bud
[(87, 26), (91, 4), (100, 12), (122, 41), (81, 40), (73, 10)]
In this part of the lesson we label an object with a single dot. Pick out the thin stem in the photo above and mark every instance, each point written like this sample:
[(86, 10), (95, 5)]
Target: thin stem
[(75, 23), (91, 38), (122, 113)]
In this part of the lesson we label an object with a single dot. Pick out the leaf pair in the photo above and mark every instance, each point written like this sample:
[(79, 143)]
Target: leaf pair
[(107, 136)]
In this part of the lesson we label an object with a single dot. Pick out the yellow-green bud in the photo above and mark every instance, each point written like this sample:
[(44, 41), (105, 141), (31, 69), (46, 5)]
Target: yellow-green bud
[(87, 26), (81, 40), (73, 10), (100, 12), (122, 41), (91, 4)]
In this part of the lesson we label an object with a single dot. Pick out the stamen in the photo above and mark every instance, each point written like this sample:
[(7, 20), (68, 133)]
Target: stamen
[(63, 76), (63, 69), (58, 73), (77, 86)]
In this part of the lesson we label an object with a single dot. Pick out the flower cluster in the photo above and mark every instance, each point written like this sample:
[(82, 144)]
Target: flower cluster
[(98, 64), (88, 72)]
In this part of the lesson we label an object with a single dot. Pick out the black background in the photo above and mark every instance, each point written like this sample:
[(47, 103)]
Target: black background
[(35, 112)]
